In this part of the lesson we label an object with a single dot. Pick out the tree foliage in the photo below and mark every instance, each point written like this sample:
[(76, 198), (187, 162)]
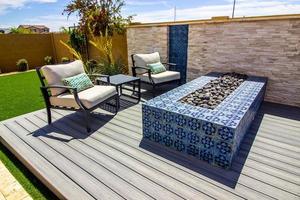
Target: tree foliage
[(77, 40), (20, 31), (63, 29), (99, 20), (99, 17)]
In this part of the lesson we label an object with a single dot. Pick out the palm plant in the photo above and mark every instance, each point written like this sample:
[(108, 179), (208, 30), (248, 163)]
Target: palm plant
[(100, 15), (100, 20)]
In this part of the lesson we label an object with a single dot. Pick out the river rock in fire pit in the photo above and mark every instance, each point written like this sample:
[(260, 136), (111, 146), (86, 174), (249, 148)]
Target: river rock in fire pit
[(214, 92)]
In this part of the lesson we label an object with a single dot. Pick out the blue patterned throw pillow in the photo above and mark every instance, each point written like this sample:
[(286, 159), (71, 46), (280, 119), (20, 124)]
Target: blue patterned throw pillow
[(156, 68), (80, 81)]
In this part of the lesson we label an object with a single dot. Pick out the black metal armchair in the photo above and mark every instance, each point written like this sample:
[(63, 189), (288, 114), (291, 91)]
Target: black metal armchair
[(141, 70), (57, 96)]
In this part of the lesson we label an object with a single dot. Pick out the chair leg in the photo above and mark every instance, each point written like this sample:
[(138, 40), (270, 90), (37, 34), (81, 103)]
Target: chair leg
[(49, 115), (153, 91), (179, 82), (133, 88), (117, 99), (87, 121)]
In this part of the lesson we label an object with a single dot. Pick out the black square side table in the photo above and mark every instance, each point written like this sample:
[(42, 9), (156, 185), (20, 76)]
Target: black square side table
[(119, 80)]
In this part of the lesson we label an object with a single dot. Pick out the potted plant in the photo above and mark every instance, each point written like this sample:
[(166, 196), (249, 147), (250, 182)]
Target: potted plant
[(22, 65)]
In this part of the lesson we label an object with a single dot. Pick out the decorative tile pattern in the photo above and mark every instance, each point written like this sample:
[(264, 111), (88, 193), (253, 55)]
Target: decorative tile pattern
[(213, 136), (178, 47)]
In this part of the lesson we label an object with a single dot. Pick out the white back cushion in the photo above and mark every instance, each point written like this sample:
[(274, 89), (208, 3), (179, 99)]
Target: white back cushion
[(142, 60), (55, 73)]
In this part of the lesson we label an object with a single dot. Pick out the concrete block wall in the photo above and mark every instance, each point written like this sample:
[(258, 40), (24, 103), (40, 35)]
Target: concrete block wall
[(147, 40), (267, 46)]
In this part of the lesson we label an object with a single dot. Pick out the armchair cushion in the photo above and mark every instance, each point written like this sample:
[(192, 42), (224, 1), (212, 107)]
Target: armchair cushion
[(161, 77), (89, 97), (142, 60), (55, 73), (80, 82)]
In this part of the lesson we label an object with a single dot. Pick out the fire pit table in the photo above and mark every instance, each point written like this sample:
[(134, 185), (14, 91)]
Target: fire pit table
[(210, 133)]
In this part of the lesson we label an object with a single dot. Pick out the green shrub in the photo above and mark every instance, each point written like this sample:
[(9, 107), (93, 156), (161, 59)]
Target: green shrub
[(22, 65), (65, 60), (92, 66), (112, 69), (49, 60), (77, 41), (20, 31)]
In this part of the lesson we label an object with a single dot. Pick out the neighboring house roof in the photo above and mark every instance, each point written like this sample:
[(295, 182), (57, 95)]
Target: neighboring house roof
[(34, 26), (5, 30)]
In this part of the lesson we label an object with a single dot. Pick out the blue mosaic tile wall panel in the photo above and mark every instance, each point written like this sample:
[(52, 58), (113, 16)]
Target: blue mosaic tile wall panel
[(213, 136), (178, 47)]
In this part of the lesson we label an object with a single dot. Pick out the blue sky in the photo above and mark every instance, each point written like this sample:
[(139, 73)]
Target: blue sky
[(48, 12)]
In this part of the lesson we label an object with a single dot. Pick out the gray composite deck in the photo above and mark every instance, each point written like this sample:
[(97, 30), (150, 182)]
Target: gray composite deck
[(114, 163)]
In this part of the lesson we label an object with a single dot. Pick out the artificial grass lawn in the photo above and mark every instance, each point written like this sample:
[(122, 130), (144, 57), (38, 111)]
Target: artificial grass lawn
[(20, 94)]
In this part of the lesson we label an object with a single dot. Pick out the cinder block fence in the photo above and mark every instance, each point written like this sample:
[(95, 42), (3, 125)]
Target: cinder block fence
[(34, 47)]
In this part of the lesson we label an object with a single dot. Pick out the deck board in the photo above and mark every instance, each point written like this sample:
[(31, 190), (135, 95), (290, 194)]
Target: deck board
[(160, 178), (115, 163), (70, 151), (70, 169), (42, 168), (265, 177)]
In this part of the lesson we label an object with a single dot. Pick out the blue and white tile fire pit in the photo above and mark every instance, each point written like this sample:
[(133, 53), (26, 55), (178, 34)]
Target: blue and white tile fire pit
[(214, 135)]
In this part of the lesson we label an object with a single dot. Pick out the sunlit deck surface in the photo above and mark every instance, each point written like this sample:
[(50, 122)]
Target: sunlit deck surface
[(114, 163)]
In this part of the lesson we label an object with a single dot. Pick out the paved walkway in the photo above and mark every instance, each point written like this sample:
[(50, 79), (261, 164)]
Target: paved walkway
[(10, 188)]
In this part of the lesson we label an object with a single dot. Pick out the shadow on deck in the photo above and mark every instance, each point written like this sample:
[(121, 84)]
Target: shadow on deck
[(229, 177), (114, 162)]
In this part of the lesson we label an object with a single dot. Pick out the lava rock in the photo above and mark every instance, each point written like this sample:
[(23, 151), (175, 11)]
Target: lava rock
[(214, 92)]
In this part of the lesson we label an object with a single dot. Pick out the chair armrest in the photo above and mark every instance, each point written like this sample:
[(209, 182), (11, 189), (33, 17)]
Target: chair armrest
[(74, 90), (75, 93), (101, 75), (170, 65), (59, 86), (143, 68)]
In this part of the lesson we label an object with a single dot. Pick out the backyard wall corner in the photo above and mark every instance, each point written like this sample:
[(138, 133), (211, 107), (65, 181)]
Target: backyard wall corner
[(119, 49), (147, 40)]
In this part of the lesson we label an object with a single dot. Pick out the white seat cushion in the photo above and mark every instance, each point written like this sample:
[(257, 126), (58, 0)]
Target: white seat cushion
[(55, 73), (161, 77), (142, 60), (89, 97)]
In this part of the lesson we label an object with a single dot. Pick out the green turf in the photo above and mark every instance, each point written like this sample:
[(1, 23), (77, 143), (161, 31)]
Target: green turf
[(20, 94)]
